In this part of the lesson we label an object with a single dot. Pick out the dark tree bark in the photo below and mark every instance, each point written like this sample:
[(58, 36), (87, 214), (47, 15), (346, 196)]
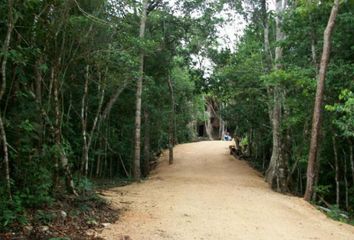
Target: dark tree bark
[(317, 113), (147, 151), (351, 158)]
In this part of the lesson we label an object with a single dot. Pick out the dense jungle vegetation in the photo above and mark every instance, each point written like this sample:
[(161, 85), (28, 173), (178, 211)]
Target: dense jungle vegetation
[(96, 89)]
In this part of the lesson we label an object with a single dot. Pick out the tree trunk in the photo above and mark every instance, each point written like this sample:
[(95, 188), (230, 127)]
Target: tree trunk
[(58, 137), (351, 158), (315, 63), (139, 89), (276, 174), (267, 50), (6, 46), (222, 124), (147, 153), (208, 127), (112, 100), (38, 90), (88, 136), (317, 113), (346, 182), (85, 157), (336, 165), (317, 176), (172, 124)]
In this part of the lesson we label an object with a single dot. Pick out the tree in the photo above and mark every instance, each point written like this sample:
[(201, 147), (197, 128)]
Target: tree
[(276, 174), (317, 113), (139, 89), (5, 51)]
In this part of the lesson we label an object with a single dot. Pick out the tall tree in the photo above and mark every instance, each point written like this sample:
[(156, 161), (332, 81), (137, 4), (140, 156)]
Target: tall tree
[(317, 113), (276, 174), (172, 124), (139, 89)]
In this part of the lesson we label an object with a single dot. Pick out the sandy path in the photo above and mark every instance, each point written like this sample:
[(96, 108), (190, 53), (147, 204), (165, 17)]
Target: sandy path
[(207, 194)]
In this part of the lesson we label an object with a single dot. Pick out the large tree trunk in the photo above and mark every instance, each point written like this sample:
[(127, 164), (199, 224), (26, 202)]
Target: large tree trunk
[(6, 46), (276, 174), (317, 113), (136, 163), (172, 124)]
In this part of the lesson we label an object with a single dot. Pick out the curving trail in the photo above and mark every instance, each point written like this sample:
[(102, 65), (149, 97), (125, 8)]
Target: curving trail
[(207, 194)]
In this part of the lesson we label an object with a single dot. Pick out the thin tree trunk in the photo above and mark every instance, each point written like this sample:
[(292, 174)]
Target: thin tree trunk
[(136, 163), (147, 153), (346, 181), (88, 136), (208, 127), (315, 63), (98, 165), (110, 167), (351, 158), (336, 165), (313, 52), (222, 124), (58, 138), (317, 113), (172, 124), (84, 107), (313, 46), (38, 90), (267, 50), (112, 100), (6, 46)]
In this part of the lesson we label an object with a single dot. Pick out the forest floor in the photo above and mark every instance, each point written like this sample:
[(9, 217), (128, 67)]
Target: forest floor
[(208, 194)]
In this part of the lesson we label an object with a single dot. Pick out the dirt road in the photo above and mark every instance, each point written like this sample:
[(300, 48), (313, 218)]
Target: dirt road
[(207, 194)]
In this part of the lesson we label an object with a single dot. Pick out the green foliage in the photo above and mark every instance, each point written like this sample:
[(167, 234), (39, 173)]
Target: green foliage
[(44, 217), (244, 141), (60, 43), (323, 189), (246, 82), (84, 185), (11, 212), (345, 112), (337, 214)]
